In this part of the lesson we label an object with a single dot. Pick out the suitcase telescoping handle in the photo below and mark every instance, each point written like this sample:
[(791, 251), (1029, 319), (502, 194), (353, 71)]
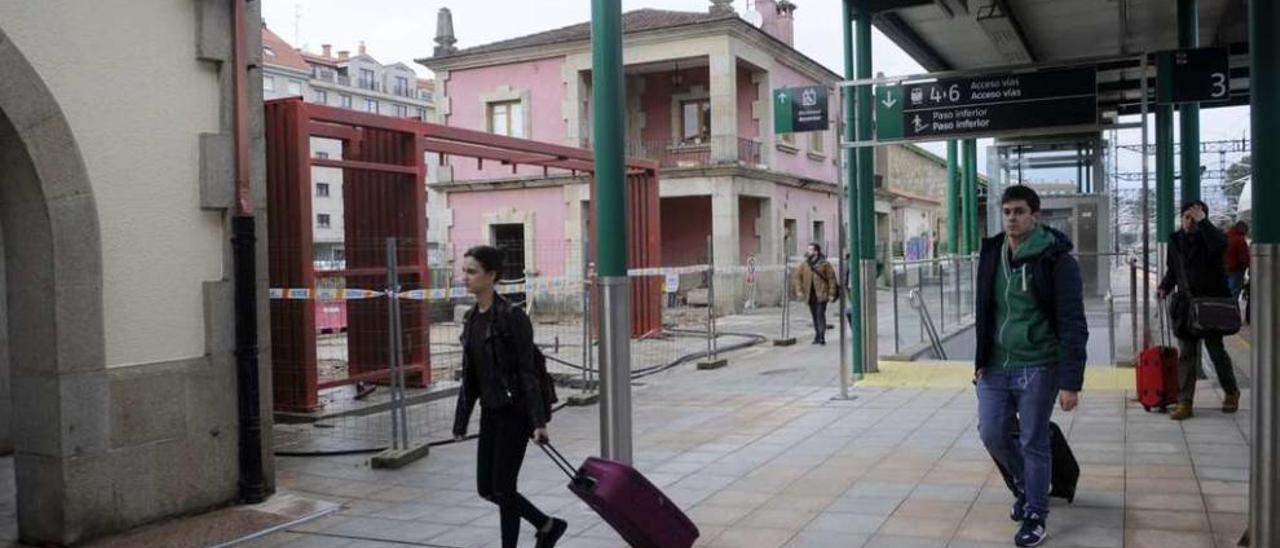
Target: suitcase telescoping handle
[(1162, 310), (562, 463)]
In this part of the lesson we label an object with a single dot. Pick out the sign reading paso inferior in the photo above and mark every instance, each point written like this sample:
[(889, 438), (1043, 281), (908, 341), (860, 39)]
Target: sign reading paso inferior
[(987, 105)]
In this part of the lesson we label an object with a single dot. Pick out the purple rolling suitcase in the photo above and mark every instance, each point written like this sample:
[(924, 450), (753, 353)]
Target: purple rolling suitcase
[(637, 510)]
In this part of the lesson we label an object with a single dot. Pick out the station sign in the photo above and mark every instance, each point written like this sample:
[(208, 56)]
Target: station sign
[(1192, 75), (989, 104), (801, 109)]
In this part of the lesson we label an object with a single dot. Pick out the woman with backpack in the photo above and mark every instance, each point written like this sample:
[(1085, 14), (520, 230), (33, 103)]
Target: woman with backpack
[(499, 371), (815, 280)]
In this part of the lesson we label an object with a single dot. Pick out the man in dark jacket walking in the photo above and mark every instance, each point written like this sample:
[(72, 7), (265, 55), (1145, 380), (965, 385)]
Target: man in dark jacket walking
[(1031, 333), (1195, 268)]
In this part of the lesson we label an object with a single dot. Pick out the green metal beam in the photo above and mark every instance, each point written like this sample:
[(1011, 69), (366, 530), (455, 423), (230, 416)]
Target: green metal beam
[(1264, 54), (866, 155), (1189, 37), (1164, 173), (953, 197), (855, 273), (971, 229), (608, 134)]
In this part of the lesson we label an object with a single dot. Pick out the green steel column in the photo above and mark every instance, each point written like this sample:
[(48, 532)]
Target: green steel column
[(851, 165), (953, 197), (972, 230), (1189, 37), (855, 277), (608, 133), (1164, 173), (1264, 84), (866, 196)]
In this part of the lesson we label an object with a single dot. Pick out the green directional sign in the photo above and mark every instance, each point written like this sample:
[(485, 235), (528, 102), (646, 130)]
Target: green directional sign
[(800, 109), (889, 113)]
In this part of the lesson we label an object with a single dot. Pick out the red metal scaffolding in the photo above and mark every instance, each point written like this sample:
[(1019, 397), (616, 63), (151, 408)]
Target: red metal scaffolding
[(384, 176)]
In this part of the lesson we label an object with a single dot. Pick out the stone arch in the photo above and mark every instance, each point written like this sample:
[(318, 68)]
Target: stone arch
[(53, 267)]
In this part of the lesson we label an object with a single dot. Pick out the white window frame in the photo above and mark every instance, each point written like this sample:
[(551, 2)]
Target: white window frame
[(324, 194), (268, 83), (323, 220), (371, 105), (514, 127)]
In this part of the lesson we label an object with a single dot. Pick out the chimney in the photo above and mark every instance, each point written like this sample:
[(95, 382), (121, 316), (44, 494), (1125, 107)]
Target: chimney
[(343, 55), (444, 34), (327, 49), (360, 48), (722, 7), (778, 19)]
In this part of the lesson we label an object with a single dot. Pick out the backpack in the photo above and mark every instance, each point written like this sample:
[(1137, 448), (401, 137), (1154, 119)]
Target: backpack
[(546, 384)]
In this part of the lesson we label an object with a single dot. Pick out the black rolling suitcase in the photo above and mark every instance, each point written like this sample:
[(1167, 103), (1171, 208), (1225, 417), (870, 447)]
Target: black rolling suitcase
[(1066, 471)]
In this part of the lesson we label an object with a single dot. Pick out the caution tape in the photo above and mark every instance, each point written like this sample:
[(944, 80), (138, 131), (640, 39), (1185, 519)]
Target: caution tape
[(323, 294), (664, 271)]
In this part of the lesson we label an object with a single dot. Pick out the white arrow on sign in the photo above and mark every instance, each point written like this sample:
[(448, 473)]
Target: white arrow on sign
[(782, 96), (919, 124), (889, 100)]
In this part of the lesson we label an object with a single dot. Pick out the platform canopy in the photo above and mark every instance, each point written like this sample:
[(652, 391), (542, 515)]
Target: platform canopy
[(947, 35)]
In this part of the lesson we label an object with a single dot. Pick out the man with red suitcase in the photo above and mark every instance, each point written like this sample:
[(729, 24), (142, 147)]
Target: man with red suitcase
[(1031, 333)]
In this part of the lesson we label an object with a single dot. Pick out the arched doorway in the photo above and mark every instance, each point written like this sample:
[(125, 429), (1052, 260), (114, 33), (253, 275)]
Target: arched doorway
[(53, 312)]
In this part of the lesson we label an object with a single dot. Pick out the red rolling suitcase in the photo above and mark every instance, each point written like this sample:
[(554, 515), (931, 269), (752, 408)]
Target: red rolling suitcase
[(637, 510), (1157, 372)]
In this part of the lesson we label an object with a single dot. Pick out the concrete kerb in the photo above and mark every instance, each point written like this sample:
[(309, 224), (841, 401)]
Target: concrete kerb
[(392, 459)]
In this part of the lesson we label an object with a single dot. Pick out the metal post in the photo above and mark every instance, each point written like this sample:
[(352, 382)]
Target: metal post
[(392, 282), (711, 299), (1133, 306), (609, 125), (841, 248), (1111, 326), (786, 296), (893, 288), (971, 196), (1146, 226), (1264, 478), (586, 315), (953, 197), (1189, 37), (866, 205), (853, 131)]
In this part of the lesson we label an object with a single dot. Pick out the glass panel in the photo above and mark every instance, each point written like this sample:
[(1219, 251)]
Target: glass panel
[(517, 119), (498, 119)]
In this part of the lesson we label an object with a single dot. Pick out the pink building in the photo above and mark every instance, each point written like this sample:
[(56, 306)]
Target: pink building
[(698, 101)]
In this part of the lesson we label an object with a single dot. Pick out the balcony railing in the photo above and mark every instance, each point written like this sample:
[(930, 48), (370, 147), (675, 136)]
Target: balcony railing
[(694, 153)]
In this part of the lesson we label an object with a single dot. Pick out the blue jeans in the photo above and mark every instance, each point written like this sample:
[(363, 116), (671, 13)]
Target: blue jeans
[(1235, 282), (1025, 396)]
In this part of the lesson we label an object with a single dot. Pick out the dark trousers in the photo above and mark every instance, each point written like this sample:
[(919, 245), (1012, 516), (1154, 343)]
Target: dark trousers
[(819, 312), (1189, 366), (504, 436)]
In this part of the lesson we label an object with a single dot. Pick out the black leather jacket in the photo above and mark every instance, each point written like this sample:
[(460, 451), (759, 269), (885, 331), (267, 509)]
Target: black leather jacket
[(508, 350)]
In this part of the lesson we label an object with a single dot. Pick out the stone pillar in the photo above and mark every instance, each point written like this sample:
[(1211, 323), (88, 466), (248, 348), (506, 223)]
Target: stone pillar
[(724, 104), (724, 231)]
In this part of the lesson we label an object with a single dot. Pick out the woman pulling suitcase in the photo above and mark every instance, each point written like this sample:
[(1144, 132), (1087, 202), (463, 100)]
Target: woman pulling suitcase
[(498, 371)]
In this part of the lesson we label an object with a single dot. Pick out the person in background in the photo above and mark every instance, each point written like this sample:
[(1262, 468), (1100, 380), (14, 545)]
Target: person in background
[(498, 371), (1236, 259), (1196, 255), (1031, 334), (815, 280)]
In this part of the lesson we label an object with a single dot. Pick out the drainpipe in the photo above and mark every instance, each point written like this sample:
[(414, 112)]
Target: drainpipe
[(243, 245)]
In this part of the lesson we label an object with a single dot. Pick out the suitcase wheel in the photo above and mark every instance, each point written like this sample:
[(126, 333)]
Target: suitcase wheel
[(1146, 408)]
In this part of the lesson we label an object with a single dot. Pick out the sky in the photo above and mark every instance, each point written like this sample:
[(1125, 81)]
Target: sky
[(402, 30)]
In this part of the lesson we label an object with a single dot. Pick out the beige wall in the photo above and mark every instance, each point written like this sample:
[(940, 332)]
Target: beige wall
[(126, 76)]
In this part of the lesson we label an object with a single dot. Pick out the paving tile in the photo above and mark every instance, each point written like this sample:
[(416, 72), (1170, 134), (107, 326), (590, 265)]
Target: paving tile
[(1229, 523), (1155, 538), (1084, 537), (793, 519), (1165, 520), (898, 541), (751, 537), (740, 499), (926, 508), (950, 493), (717, 515), (1227, 504), (846, 523), (1189, 503), (914, 526), (873, 506), (799, 502), (826, 539), (468, 537)]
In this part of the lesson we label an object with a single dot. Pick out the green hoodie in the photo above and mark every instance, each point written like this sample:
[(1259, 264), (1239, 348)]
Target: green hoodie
[(1024, 336)]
